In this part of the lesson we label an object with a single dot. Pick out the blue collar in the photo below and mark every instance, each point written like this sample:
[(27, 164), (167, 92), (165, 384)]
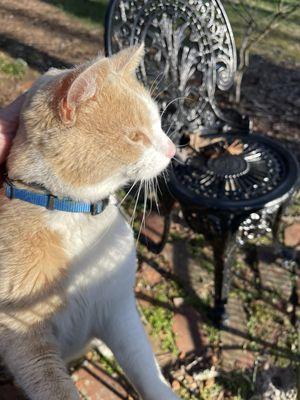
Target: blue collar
[(52, 202)]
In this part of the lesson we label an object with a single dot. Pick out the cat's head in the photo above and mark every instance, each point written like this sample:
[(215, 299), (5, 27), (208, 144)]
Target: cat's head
[(85, 132)]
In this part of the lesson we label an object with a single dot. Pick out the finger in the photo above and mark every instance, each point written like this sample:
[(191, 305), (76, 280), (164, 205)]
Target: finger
[(5, 143), (11, 112)]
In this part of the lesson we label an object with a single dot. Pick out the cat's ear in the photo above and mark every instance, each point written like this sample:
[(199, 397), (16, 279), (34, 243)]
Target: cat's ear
[(81, 89), (127, 60)]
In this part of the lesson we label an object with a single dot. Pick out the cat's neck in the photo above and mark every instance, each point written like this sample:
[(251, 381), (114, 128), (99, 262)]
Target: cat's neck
[(41, 175), (81, 231)]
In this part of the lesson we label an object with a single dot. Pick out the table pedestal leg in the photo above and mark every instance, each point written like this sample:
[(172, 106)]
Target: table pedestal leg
[(224, 250)]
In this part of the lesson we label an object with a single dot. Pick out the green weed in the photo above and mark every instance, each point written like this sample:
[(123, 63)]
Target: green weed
[(160, 320), (15, 68)]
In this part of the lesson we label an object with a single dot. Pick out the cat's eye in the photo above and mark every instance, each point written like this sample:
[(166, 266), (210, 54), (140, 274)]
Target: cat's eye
[(138, 137)]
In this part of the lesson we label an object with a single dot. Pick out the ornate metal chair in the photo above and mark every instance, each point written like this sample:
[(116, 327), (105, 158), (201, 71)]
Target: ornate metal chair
[(231, 184)]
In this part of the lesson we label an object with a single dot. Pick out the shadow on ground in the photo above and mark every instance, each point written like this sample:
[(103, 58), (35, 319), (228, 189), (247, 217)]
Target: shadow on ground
[(92, 10), (35, 58)]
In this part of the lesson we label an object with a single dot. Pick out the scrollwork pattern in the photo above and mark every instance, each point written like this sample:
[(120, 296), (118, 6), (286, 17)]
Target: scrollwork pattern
[(190, 52)]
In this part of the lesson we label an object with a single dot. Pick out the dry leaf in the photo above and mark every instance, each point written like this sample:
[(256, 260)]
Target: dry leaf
[(197, 141), (235, 148)]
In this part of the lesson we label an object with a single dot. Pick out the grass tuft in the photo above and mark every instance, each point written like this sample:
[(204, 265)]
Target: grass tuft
[(15, 68)]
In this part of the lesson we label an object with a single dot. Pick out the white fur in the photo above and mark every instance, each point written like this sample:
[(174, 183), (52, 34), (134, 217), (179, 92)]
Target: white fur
[(100, 296)]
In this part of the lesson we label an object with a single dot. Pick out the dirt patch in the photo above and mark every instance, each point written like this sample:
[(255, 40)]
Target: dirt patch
[(271, 96), (43, 36)]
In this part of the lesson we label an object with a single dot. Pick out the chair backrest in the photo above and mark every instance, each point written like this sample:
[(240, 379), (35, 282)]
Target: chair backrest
[(190, 52)]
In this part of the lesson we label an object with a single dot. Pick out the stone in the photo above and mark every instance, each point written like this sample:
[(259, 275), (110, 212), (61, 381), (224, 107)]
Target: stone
[(178, 301), (186, 325), (101, 348), (89, 356), (151, 276), (292, 235), (176, 385)]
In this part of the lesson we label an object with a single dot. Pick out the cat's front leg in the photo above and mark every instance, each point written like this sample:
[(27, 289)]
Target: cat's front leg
[(35, 363), (124, 334)]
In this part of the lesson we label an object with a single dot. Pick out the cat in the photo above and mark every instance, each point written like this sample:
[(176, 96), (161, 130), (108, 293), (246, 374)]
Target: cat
[(68, 277)]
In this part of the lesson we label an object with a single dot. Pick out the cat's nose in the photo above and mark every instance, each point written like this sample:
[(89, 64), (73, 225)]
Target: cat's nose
[(170, 149)]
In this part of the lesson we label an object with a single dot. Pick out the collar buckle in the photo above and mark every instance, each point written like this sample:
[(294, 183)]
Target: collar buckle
[(11, 187), (50, 203), (96, 208)]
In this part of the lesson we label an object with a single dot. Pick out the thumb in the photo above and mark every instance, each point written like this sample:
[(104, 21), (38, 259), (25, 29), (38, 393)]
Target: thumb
[(10, 113), (5, 143)]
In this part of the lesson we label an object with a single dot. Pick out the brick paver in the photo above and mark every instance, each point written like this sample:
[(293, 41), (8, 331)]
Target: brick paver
[(234, 338), (189, 336), (94, 383), (273, 275)]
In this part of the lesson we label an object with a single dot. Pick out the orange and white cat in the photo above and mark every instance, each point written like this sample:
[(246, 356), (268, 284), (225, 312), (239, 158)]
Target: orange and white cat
[(68, 277)]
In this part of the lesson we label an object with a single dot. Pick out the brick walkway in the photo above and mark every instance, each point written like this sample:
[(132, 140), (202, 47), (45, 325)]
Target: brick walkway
[(92, 382)]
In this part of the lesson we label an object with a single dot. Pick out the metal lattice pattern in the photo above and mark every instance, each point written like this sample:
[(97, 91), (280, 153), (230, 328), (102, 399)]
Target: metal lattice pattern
[(189, 52), (214, 173)]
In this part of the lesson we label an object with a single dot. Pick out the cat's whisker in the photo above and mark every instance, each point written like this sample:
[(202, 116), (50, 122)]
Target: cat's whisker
[(155, 195), (156, 82), (146, 201), (167, 133), (164, 175), (143, 222), (163, 90), (178, 160), (127, 194), (171, 102), (136, 203), (150, 192), (172, 134), (158, 186)]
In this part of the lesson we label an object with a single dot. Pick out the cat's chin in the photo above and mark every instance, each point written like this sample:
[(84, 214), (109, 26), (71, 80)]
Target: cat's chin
[(99, 190), (150, 165)]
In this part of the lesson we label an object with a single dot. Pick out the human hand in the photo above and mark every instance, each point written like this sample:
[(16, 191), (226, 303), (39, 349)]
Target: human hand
[(9, 121)]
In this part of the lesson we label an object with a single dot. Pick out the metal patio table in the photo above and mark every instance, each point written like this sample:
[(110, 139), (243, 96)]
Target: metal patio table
[(231, 184)]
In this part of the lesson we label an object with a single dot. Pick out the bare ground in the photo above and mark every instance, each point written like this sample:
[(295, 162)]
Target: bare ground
[(44, 36)]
